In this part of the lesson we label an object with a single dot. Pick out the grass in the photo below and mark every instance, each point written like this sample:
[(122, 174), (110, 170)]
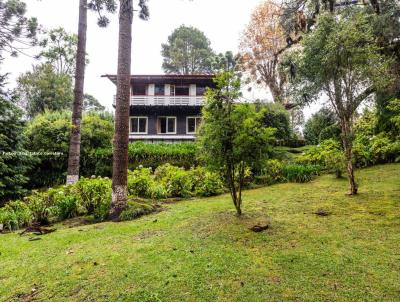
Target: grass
[(291, 153), (198, 250)]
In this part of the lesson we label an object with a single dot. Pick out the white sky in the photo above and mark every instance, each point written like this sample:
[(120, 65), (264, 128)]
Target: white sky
[(221, 20)]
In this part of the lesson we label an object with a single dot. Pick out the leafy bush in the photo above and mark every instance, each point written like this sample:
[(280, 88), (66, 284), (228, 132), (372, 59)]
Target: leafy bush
[(330, 132), (49, 133), (95, 196), (158, 191), (206, 183), (135, 210), (373, 150), (15, 215), (300, 173), (276, 116), (41, 205), (178, 184), (140, 182), (67, 204), (149, 155), (271, 173), (383, 149), (317, 124), (328, 155)]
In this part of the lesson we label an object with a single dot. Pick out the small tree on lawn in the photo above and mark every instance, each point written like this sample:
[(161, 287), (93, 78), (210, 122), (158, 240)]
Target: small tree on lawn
[(341, 59), (232, 137)]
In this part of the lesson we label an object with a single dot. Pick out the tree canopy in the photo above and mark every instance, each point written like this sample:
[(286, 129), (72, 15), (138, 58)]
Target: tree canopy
[(17, 32), (13, 159), (260, 47), (59, 49), (319, 121), (187, 51), (232, 137), (341, 58), (43, 89)]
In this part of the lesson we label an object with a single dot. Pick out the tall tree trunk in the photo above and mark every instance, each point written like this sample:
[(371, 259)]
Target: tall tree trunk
[(347, 137), (121, 136), (75, 139)]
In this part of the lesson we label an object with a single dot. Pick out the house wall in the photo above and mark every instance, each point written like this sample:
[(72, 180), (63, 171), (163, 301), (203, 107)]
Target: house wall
[(153, 112)]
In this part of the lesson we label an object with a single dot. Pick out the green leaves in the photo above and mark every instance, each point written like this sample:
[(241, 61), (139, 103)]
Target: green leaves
[(16, 31), (341, 58), (187, 51), (44, 89), (232, 136), (59, 50)]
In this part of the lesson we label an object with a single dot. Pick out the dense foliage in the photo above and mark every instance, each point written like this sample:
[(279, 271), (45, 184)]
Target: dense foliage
[(48, 134), (328, 155), (44, 89), (276, 116), (232, 136), (14, 161), (187, 51), (320, 126), (371, 146), (149, 155), (342, 59), (92, 196)]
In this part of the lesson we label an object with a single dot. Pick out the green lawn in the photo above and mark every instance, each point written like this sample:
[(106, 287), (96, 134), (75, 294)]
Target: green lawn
[(198, 250)]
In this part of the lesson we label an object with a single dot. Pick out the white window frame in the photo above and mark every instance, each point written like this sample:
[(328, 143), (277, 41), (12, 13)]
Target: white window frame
[(195, 124), (138, 117), (166, 126), (172, 90)]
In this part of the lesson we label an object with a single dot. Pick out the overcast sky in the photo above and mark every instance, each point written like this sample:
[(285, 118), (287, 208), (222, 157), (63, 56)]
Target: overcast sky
[(221, 20)]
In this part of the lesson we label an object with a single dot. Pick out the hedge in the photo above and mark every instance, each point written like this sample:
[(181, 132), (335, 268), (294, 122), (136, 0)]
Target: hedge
[(149, 155)]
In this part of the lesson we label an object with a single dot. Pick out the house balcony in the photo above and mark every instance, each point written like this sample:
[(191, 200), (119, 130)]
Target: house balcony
[(145, 100)]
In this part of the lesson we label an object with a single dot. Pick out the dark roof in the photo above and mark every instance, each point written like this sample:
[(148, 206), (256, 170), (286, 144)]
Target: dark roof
[(162, 77)]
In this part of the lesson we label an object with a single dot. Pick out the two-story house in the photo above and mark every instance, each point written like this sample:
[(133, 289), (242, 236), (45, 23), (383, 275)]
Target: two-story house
[(166, 108)]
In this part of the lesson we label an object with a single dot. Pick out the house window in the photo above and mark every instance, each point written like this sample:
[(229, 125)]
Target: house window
[(172, 90), (139, 125), (167, 125), (192, 124), (200, 90), (139, 89), (182, 90), (159, 89)]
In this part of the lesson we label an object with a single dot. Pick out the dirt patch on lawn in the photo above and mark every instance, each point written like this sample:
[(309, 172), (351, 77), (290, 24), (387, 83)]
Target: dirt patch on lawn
[(78, 221), (148, 234)]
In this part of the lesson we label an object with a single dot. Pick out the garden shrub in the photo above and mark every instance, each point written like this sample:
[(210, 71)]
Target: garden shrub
[(178, 184), (15, 215), (330, 132), (327, 155), (140, 182), (373, 150), (41, 205), (300, 173), (95, 196), (271, 173), (158, 191), (50, 131), (383, 150), (135, 210), (149, 155), (177, 181), (67, 204), (206, 183)]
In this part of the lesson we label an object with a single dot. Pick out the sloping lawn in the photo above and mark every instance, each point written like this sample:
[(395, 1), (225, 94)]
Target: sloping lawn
[(198, 250)]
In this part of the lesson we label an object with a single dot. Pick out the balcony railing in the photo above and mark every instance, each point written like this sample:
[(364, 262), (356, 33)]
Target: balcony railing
[(145, 100)]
